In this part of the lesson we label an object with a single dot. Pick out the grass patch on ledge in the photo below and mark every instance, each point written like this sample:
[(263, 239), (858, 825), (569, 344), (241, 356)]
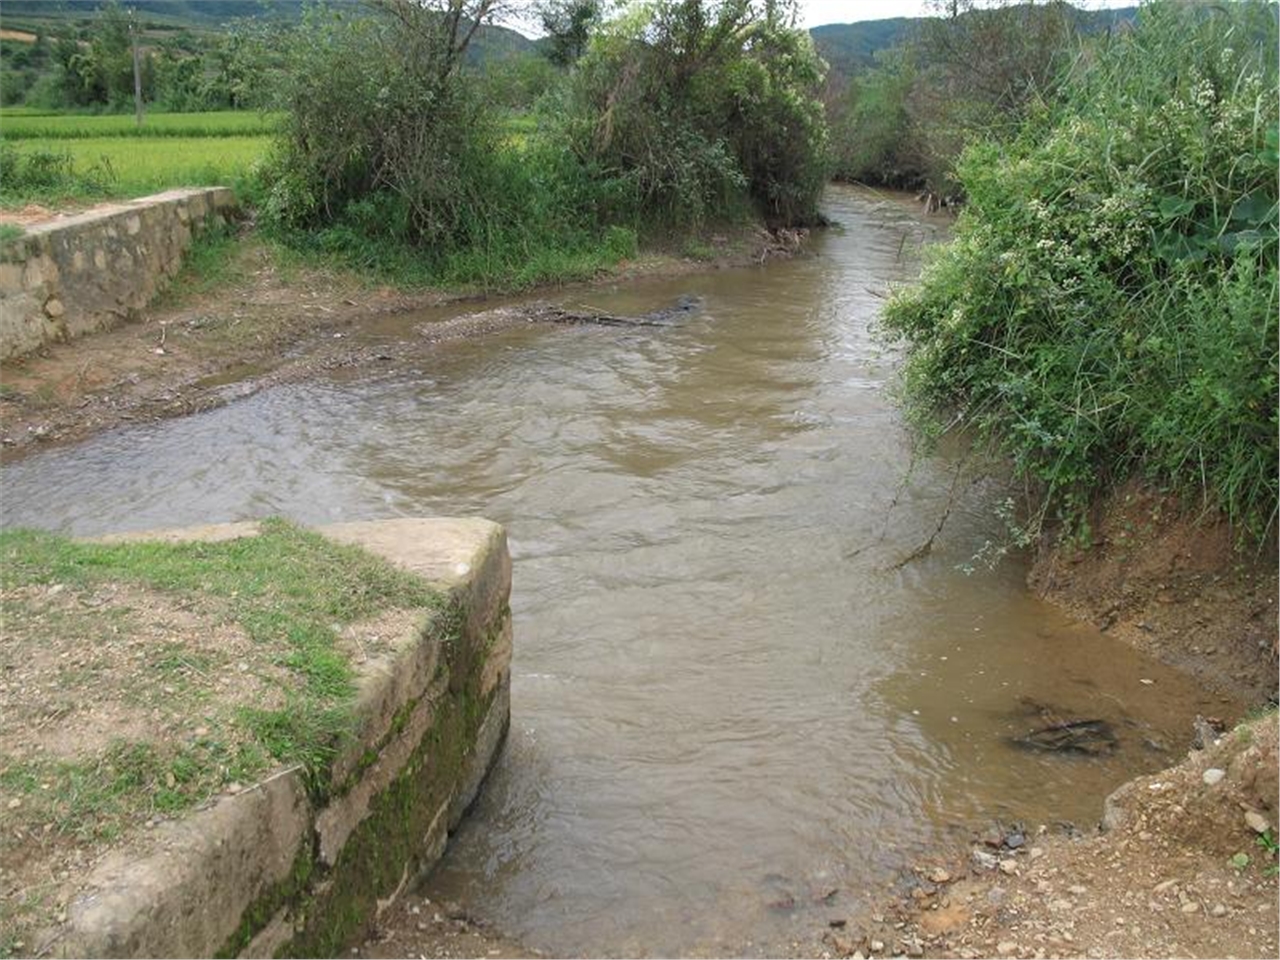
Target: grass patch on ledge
[(144, 678)]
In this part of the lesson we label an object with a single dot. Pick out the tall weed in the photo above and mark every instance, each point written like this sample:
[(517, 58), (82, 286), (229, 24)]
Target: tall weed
[(1108, 306)]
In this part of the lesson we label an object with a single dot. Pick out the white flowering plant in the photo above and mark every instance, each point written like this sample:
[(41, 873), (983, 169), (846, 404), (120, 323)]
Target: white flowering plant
[(1109, 303)]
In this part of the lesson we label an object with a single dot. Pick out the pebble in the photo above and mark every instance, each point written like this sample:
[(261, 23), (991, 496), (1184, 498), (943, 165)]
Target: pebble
[(1006, 948), (1036, 853), (1077, 889), (1256, 821), (1219, 910), (877, 946), (1163, 885), (938, 875), (1213, 775), (202, 731), (1190, 907), (983, 860), (1009, 866), (15, 803)]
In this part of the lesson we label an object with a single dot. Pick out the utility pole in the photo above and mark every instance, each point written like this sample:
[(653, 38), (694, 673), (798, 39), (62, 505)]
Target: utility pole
[(137, 66)]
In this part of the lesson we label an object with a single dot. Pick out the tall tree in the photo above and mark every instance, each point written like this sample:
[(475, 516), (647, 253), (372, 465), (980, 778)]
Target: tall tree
[(568, 25)]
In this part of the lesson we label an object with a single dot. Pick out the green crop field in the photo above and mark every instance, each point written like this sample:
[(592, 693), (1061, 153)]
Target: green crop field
[(23, 125), (133, 166)]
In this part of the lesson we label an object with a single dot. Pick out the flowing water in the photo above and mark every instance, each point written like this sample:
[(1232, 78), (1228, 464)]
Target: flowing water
[(727, 700)]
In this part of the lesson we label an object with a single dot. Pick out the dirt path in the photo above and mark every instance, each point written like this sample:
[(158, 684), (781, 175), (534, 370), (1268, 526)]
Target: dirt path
[(266, 324)]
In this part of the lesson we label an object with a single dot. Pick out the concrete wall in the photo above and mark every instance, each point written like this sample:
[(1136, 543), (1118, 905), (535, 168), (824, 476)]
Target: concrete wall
[(276, 870), (69, 277)]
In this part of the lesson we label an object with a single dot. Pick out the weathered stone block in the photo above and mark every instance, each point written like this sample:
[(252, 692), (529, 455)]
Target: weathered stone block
[(98, 266), (268, 872)]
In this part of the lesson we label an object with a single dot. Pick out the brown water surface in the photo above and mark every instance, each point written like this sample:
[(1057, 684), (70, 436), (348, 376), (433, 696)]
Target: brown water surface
[(726, 701)]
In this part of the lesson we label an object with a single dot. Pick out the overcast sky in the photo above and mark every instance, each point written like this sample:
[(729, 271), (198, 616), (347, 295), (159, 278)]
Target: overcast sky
[(818, 12)]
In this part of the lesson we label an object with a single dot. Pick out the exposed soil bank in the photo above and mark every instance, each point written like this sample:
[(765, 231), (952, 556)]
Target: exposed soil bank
[(269, 323), (1182, 863), (1172, 584)]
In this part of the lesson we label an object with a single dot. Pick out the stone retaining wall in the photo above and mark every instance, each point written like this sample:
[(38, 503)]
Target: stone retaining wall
[(69, 277), (276, 871)]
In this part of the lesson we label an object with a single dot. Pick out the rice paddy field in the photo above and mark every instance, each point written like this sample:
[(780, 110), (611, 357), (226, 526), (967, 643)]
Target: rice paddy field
[(78, 157), (21, 124), (52, 158)]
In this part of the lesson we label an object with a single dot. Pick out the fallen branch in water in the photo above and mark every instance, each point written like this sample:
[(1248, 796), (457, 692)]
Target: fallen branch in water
[(559, 315), (926, 548)]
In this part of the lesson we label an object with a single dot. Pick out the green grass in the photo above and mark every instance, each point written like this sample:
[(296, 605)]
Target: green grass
[(103, 167), (17, 124), (288, 589), (10, 231)]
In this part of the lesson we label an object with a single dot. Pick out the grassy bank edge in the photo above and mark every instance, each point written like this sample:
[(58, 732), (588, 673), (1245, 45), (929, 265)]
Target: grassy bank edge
[(290, 590)]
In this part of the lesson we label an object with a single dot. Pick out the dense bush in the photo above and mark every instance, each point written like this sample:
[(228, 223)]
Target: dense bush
[(376, 113), (873, 139), (393, 158), (681, 113), (693, 109), (1109, 302), (41, 172), (960, 77)]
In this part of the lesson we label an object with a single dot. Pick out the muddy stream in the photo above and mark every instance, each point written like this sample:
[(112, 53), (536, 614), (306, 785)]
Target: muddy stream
[(732, 717)]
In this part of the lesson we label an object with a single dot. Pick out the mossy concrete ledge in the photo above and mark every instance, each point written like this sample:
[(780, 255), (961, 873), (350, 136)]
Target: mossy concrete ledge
[(285, 869), (68, 277)]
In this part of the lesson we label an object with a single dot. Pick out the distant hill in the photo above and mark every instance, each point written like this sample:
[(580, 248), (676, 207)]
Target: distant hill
[(161, 16), (850, 47), (847, 47)]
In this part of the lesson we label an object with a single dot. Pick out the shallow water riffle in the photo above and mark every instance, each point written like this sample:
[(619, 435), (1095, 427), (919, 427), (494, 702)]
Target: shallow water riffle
[(734, 714)]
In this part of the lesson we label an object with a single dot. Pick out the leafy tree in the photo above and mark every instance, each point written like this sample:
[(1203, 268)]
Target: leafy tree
[(568, 25), (688, 108), (974, 70), (377, 111)]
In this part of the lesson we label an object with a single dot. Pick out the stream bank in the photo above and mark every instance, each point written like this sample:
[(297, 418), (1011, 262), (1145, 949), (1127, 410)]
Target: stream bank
[(1166, 579), (260, 321), (738, 717)]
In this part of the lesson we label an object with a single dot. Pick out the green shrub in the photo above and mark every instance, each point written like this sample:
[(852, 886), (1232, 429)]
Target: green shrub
[(686, 112), (42, 172), (1108, 305)]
